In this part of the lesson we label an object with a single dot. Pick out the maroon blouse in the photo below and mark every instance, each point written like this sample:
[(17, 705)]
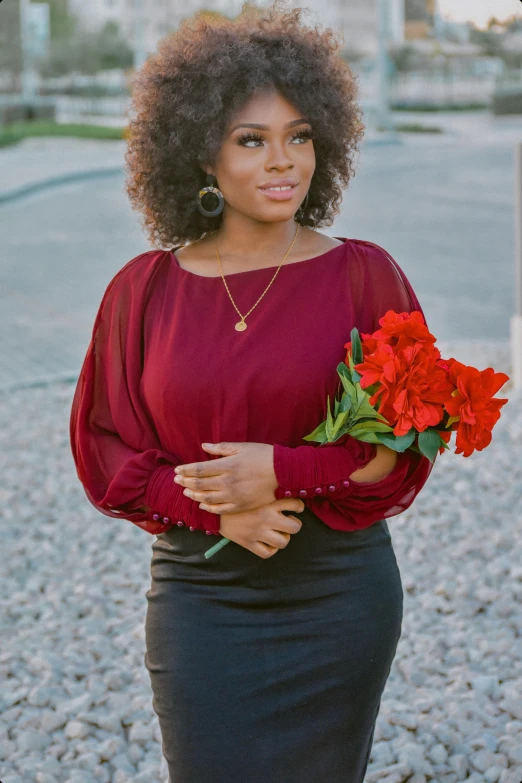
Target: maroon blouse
[(166, 371)]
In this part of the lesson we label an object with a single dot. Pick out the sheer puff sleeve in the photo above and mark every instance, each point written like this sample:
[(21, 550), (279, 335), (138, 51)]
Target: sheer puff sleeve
[(320, 473), (116, 450)]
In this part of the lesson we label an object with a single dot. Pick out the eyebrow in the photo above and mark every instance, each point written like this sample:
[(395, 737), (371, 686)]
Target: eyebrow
[(259, 126)]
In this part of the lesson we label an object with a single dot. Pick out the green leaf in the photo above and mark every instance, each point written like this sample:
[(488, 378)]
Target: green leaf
[(370, 426), (349, 387), (329, 420), (398, 442), (363, 407), (340, 422), (429, 442), (343, 370), (357, 352), (319, 434), (369, 437), (345, 404)]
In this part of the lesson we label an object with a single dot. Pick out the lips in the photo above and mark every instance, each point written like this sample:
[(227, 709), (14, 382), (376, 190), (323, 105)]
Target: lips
[(279, 183)]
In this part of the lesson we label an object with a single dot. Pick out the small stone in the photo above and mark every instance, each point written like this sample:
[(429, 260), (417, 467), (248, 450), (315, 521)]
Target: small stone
[(475, 777), (141, 733), (438, 754), (7, 748), (459, 763), (492, 775), (45, 777), (81, 776), (513, 706), (482, 760), (76, 729), (50, 721), (513, 775), (122, 762), (515, 754), (32, 741)]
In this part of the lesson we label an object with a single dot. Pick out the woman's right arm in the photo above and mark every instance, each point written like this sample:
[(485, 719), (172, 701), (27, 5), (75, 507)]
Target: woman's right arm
[(119, 460)]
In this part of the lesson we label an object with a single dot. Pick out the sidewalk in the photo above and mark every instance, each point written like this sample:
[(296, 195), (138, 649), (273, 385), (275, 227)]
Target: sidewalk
[(36, 163)]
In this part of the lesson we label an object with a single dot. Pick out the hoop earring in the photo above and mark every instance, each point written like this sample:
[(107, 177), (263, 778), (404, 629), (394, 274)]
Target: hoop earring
[(210, 189)]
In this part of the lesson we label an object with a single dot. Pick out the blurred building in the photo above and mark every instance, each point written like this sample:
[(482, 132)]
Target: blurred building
[(357, 20), (95, 14), (158, 17), (419, 19), (10, 38)]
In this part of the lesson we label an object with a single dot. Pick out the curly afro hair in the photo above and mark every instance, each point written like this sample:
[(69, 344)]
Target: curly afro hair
[(184, 96)]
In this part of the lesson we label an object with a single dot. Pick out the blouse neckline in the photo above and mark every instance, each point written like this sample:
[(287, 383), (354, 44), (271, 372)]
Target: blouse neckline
[(260, 269)]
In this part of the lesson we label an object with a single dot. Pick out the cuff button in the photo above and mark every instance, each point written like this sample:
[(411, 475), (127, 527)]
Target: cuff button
[(302, 492), (180, 523), (288, 493), (155, 517), (332, 488), (166, 520), (192, 528), (346, 483), (318, 490)]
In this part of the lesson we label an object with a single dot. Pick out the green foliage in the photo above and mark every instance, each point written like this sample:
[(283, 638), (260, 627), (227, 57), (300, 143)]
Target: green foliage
[(87, 51), (17, 131), (356, 416)]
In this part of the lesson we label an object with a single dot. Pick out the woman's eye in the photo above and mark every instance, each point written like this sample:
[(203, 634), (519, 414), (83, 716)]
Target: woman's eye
[(244, 139)]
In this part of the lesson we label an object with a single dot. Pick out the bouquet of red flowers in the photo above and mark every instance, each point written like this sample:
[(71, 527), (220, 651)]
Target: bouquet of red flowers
[(398, 391)]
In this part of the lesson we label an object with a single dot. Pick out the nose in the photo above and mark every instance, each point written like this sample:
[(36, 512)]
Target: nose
[(278, 157)]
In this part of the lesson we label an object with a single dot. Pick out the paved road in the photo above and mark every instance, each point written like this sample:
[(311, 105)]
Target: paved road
[(441, 204)]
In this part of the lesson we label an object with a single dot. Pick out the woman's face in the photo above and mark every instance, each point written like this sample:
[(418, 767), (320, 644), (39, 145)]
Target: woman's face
[(251, 157)]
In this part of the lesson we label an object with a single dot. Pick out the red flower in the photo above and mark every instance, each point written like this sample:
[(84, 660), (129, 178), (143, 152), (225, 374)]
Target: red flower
[(401, 358), (473, 402), (413, 387), (409, 328)]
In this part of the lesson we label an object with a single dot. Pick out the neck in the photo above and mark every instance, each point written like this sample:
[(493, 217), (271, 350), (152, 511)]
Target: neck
[(261, 242)]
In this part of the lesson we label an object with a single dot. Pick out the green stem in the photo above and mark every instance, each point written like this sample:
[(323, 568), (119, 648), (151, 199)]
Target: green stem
[(217, 547)]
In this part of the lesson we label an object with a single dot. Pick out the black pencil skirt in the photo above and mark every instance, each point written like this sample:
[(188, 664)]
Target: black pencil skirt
[(272, 670)]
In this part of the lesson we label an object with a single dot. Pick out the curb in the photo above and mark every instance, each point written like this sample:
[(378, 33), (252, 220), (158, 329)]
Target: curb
[(43, 380), (63, 179)]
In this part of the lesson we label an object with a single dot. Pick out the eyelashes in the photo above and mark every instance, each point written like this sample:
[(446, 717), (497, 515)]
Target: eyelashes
[(244, 137)]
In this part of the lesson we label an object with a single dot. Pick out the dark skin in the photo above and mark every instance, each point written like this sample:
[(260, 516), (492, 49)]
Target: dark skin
[(243, 476)]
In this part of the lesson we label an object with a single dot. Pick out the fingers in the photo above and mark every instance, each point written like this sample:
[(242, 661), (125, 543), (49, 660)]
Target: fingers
[(277, 541), (300, 506), (200, 488), (265, 550)]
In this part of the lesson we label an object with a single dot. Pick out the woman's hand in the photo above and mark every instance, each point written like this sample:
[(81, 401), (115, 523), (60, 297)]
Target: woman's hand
[(242, 480), (266, 530)]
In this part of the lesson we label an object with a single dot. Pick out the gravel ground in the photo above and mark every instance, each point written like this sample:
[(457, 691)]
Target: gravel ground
[(76, 702)]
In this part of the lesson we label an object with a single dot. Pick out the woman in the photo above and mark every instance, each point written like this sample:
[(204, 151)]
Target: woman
[(267, 661)]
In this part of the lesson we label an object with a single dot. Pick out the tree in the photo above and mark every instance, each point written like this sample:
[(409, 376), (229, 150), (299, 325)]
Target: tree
[(88, 52), (10, 38), (63, 24)]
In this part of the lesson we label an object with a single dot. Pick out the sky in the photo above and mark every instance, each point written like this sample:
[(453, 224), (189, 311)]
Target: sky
[(479, 11)]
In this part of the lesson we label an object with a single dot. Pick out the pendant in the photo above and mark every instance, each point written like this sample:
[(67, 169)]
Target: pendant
[(241, 326)]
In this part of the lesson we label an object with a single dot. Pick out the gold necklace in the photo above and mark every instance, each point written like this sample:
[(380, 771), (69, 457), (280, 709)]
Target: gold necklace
[(241, 325)]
